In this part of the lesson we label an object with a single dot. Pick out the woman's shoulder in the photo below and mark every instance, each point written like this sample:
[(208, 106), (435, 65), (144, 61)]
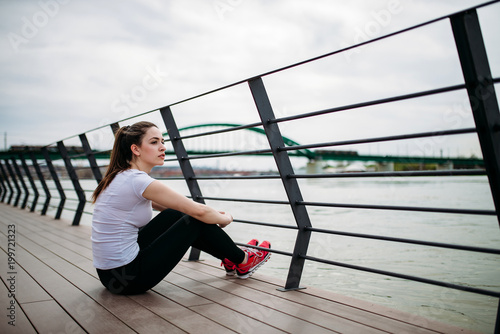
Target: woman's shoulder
[(137, 176), (132, 172)]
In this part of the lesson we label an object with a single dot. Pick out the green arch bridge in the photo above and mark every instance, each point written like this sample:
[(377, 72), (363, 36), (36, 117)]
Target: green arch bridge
[(339, 155), (312, 155)]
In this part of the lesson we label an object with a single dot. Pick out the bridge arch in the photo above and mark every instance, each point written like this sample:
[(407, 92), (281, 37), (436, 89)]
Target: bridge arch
[(289, 142)]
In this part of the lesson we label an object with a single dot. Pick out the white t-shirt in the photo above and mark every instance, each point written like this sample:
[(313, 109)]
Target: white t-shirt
[(119, 212)]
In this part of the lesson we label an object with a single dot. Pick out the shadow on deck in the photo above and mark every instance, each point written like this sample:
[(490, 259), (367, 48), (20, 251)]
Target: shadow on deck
[(53, 287)]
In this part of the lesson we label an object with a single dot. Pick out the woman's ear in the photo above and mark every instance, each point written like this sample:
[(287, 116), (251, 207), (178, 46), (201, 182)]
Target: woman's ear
[(135, 150)]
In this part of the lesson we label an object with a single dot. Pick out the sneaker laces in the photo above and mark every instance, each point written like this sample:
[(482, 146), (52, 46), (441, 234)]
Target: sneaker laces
[(257, 252)]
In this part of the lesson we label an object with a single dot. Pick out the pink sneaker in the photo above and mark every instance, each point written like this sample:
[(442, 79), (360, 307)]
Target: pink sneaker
[(256, 258), (230, 266)]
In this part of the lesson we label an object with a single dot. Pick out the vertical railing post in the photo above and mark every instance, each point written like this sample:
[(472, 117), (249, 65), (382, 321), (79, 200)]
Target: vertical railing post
[(31, 180), (91, 158), (185, 165), (291, 185), (3, 188), (42, 181), (481, 91), (115, 127), (482, 97), (6, 178), (76, 183), (55, 178), (21, 180), (16, 185)]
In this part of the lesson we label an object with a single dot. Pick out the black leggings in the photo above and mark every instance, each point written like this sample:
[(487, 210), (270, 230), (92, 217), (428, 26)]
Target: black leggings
[(163, 242)]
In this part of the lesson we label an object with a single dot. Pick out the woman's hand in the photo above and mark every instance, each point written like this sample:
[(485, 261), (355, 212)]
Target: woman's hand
[(228, 216)]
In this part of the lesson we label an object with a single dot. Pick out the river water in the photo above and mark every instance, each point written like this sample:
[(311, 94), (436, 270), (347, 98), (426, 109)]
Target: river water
[(459, 267)]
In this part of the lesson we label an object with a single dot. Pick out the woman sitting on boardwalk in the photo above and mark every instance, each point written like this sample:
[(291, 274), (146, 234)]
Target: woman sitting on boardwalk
[(133, 252)]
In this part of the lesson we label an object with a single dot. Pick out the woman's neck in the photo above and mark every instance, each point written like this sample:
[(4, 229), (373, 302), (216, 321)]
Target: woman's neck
[(137, 165)]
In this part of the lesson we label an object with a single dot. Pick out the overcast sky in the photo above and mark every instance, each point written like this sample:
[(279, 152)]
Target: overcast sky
[(68, 66)]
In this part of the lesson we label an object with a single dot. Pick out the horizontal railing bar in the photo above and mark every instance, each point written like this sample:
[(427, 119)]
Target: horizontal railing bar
[(407, 241), (380, 139), (243, 200), (401, 208), (208, 133), (270, 250), (82, 167), (176, 178), (100, 152), (370, 103), (406, 277), (229, 154), (265, 224), (460, 172), (77, 155), (238, 177), (65, 189)]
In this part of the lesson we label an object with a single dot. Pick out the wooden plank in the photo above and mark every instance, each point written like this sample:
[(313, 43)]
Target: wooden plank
[(270, 303), (179, 295), (45, 238), (89, 314), (238, 322), (298, 299), (34, 301), (270, 316), (49, 317), (357, 310), (51, 236), (124, 308), (77, 255), (75, 237), (211, 310), (182, 317), (19, 321), (28, 290), (51, 244)]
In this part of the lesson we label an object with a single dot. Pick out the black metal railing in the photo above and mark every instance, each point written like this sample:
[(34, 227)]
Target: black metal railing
[(478, 83)]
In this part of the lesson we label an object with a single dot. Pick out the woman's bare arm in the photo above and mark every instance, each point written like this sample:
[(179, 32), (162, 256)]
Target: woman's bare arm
[(158, 207), (164, 197)]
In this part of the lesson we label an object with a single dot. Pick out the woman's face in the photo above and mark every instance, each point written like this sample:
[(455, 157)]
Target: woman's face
[(151, 151)]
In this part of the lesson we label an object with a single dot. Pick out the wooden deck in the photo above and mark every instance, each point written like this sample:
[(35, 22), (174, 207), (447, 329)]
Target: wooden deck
[(57, 291)]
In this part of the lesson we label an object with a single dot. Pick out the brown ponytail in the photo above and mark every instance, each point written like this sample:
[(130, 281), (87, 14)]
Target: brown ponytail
[(121, 155)]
